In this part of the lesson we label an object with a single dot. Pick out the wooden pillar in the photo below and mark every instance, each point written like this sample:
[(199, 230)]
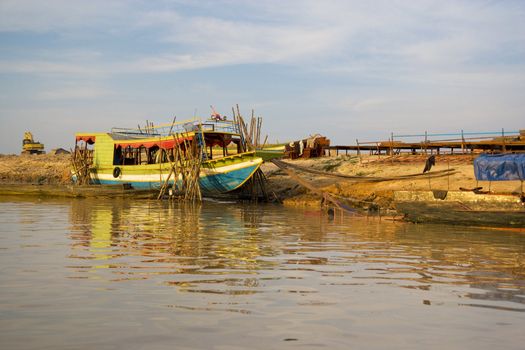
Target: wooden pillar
[(391, 144), (426, 142), (358, 150), (462, 142), (503, 148)]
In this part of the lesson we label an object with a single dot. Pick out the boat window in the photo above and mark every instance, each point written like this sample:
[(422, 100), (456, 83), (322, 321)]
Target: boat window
[(130, 156), (117, 156), (141, 155), (219, 145)]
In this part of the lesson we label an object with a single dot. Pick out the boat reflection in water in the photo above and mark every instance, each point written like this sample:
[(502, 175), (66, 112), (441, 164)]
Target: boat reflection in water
[(162, 239), (97, 274), (231, 249)]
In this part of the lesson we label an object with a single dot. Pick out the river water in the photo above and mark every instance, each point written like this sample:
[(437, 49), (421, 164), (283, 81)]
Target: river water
[(115, 274)]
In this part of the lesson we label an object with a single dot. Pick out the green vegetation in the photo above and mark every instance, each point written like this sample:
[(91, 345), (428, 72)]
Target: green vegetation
[(333, 164)]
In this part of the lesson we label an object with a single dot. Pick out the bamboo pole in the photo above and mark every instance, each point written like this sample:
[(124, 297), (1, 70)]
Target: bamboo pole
[(187, 163)]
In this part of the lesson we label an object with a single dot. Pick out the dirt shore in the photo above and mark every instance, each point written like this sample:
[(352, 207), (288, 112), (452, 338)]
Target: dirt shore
[(39, 169), (377, 194), (55, 170)]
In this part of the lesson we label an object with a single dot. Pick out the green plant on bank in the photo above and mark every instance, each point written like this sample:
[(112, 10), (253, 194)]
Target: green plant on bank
[(333, 164)]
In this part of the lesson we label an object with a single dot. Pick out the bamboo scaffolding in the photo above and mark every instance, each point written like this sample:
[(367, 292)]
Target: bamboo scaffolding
[(187, 162), (82, 161)]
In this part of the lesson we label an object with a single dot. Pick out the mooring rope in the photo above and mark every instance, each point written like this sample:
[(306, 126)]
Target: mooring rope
[(281, 164)]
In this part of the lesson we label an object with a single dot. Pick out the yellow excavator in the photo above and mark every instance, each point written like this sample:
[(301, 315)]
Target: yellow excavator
[(30, 146)]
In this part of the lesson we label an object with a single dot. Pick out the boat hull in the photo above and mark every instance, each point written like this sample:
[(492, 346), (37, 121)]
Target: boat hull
[(216, 177)]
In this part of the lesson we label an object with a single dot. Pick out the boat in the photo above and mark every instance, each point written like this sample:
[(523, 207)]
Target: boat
[(472, 207), (269, 153), (143, 158)]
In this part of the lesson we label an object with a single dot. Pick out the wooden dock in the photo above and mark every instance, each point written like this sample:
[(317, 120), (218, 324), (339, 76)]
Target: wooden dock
[(461, 145)]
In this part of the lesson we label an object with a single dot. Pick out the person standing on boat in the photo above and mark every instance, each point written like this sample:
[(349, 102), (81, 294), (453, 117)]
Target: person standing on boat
[(215, 115)]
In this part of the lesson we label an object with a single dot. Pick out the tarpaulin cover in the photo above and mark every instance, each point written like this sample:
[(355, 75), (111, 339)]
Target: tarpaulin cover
[(499, 167)]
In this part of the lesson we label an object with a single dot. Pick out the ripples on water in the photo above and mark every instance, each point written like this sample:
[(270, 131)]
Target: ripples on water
[(120, 274)]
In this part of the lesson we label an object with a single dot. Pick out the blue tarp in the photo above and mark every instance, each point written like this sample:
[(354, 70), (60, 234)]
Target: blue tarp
[(499, 167)]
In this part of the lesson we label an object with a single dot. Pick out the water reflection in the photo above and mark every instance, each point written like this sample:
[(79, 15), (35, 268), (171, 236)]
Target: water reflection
[(154, 238), (148, 274), (238, 250)]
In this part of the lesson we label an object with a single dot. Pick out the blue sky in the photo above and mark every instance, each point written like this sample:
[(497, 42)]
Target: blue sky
[(345, 69)]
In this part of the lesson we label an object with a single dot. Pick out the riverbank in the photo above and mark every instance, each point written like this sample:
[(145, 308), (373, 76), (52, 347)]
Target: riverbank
[(54, 170), (376, 195), (42, 169)]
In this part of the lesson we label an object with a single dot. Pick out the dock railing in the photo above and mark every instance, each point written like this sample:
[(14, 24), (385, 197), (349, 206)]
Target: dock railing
[(467, 142), (464, 139)]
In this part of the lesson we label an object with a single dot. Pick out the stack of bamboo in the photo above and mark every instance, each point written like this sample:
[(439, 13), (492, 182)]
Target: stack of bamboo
[(251, 141), (250, 132), (185, 163), (81, 161)]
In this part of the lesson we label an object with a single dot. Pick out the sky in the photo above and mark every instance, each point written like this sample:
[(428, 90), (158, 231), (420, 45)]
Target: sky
[(345, 69)]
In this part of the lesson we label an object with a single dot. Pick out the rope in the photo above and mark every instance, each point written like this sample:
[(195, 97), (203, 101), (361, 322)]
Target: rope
[(433, 174)]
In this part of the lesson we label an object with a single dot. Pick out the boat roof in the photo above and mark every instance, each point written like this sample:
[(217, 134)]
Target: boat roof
[(162, 134), (182, 127), (167, 130)]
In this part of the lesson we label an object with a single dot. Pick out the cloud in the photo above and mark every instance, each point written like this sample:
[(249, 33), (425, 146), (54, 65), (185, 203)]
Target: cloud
[(382, 36), (74, 92), (366, 62), (47, 67), (62, 15)]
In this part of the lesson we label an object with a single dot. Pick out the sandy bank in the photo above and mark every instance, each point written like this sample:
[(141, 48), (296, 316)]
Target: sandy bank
[(377, 194), (35, 169)]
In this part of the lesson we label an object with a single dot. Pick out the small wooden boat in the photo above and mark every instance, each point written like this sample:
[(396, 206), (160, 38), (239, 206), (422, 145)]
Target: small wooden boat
[(142, 158), (269, 153)]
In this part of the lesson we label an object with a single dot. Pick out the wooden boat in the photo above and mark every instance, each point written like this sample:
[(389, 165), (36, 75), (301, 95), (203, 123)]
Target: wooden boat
[(269, 153), (461, 208), (142, 158)]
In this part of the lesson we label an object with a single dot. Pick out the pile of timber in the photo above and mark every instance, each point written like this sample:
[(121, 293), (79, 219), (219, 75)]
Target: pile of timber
[(311, 147)]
